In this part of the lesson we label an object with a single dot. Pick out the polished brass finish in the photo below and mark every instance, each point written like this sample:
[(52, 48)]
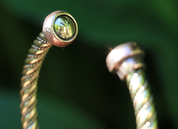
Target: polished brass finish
[(126, 61), (50, 36)]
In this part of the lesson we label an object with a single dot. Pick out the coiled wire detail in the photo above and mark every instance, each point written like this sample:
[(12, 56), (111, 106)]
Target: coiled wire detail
[(29, 79), (142, 100)]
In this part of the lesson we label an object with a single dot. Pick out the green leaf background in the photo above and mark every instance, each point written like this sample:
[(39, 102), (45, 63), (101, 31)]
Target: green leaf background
[(76, 91)]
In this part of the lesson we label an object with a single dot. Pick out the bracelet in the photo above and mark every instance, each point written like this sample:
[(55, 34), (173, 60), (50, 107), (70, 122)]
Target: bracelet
[(59, 29), (126, 61)]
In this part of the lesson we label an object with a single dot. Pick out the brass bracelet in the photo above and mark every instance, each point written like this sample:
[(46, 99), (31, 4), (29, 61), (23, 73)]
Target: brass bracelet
[(126, 61), (59, 29)]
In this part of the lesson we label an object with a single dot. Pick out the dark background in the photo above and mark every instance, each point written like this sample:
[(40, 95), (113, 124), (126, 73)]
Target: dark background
[(75, 89)]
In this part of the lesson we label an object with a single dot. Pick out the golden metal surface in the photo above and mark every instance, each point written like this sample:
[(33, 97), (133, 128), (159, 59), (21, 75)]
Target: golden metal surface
[(29, 80), (142, 100), (126, 61), (34, 60)]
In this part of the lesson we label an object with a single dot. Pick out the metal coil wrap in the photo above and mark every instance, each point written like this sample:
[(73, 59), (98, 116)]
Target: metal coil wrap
[(29, 80), (142, 100)]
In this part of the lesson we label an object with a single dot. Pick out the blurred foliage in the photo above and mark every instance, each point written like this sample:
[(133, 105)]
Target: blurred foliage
[(75, 88)]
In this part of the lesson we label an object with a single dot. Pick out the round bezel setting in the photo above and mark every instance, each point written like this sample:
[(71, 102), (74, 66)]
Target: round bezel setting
[(60, 28)]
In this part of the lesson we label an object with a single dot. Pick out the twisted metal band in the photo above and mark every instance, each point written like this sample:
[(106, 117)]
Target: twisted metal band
[(142, 100), (126, 61), (59, 29), (29, 80)]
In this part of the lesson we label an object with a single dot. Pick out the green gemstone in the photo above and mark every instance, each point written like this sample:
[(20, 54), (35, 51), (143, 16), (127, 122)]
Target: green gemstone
[(64, 27)]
